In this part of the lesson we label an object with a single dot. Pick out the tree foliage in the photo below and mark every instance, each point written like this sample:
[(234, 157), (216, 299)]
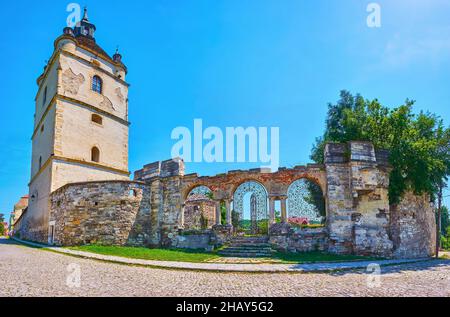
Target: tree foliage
[(2, 228), (315, 197), (445, 221), (419, 144)]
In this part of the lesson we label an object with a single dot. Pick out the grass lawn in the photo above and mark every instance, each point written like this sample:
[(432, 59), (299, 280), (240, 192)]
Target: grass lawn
[(316, 257), (196, 256), (199, 256)]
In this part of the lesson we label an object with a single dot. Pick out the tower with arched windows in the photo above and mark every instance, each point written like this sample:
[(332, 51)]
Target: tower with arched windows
[(82, 101)]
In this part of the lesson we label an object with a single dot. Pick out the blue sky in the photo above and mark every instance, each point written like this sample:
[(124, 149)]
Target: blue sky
[(231, 63)]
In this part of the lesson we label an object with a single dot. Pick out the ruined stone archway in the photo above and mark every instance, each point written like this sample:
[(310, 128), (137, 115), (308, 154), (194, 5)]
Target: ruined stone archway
[(306, 202), (199, 209), (199, 190), (259, 216)]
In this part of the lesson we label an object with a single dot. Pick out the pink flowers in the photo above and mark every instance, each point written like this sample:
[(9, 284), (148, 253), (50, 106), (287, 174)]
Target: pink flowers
[(298, 221)]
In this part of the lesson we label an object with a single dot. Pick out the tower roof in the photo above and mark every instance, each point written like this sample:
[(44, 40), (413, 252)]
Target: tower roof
[(85, 15), (84, 32), (84, 27)]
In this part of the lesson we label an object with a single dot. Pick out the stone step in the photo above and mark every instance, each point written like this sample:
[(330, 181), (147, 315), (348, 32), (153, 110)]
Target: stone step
[(242, 240), (250, 245), (250, 250), (245, 255)]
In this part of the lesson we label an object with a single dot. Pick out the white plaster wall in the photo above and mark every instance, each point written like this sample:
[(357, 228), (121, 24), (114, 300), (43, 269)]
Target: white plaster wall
[(78, 134), (114, 91), (68, 172), (38, 208), (51, 82), (42, 143)]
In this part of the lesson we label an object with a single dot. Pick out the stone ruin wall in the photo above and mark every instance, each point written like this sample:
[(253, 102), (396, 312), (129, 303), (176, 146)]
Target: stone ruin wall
[(354, 178), (107, 213), (413, 227)]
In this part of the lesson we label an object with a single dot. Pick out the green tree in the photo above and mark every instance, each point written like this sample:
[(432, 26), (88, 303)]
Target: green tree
[(2, 228), (315, 197), (445, 221), (419, 145)]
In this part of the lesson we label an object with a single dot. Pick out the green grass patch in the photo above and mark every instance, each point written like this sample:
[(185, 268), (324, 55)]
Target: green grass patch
[(200, 256), (195, 256), (317, 257)]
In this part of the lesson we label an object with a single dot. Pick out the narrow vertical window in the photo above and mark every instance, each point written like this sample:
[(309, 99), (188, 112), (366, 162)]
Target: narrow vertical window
[(44, 99), (95, 154), (40, 162), (97, 84)]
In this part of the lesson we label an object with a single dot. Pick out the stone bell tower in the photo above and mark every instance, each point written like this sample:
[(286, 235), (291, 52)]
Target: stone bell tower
[(81, 122)]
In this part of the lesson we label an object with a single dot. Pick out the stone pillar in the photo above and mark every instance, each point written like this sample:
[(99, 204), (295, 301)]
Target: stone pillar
[(181, 222), (271, 210), (283, 210), (218, 213), (228, 207)]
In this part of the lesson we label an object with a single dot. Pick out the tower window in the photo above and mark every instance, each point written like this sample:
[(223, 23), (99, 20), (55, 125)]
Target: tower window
[(40, 162), (97, 119), (95, 154), (44, 99), (97, 84), (42, 128)]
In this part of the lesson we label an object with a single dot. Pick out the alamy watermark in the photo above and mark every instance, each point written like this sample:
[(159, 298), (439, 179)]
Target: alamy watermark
[(374, 275), (374, 17), (73, 279), (235, 144)]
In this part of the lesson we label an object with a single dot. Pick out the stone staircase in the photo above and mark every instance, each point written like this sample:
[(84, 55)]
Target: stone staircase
[(248, 247)]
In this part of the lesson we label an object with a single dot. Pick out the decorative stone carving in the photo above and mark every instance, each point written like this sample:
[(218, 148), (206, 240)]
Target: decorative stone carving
[(119, 94), (71, 82), (107, 104)]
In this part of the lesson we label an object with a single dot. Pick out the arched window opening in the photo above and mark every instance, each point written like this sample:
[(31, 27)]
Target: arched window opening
[(250, 213), (95, 154), (97, 84), (306, 204), (97, 119)]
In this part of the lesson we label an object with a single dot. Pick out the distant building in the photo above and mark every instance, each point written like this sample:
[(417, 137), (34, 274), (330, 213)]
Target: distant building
[(16, 214), (199, 208)]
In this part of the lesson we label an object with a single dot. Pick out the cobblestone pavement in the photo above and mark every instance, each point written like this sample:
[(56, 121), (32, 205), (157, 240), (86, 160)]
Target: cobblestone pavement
[(32, 272)]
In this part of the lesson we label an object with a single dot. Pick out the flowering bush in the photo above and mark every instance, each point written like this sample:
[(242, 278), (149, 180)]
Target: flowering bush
[(298, 221)]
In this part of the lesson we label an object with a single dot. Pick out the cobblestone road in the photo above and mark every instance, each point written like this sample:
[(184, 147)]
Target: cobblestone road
[(32, 272)]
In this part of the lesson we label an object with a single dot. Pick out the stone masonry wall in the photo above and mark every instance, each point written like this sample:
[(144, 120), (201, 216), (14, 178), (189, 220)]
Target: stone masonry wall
[(108, 213), (339, 199), (413, 227), (286, 238)]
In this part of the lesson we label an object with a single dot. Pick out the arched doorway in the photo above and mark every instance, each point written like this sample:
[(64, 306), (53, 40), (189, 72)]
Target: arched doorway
[(199, 209), (305, 203), (250, 214)]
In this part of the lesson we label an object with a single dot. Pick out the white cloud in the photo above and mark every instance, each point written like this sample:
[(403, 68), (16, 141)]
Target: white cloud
[(431, 47)]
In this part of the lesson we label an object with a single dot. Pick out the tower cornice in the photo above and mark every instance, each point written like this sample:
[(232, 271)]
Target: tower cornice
[(79, 103), (59, 52), (85, 163)]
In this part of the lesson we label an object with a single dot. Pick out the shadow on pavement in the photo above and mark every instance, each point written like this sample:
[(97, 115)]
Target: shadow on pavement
[(431, 265)]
